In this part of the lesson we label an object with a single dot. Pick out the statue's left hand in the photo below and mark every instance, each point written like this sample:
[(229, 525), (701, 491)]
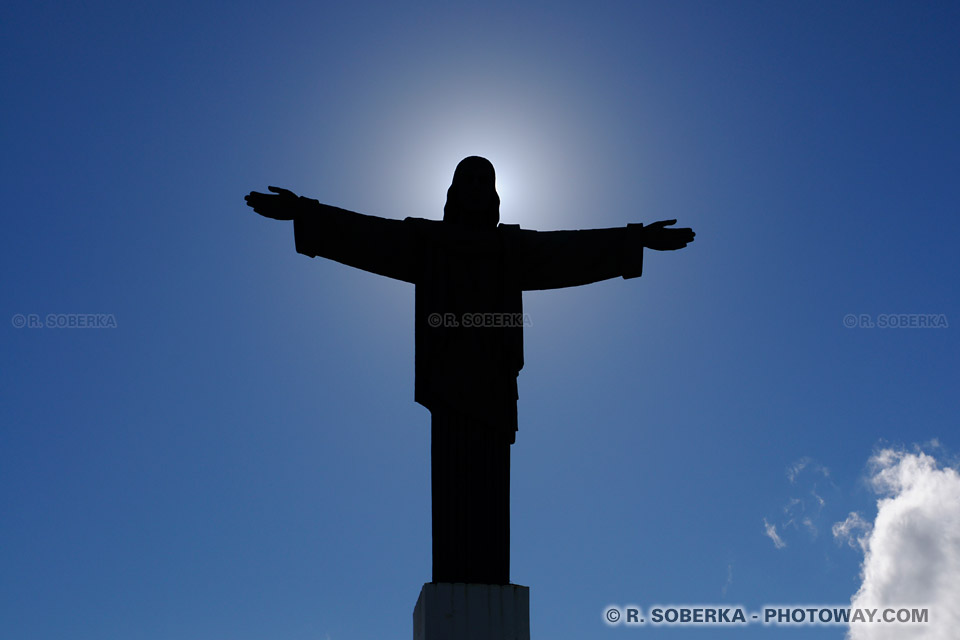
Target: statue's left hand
[(657, 236), (282, 206)]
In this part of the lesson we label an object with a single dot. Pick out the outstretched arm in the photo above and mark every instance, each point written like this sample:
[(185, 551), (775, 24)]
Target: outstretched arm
[(379, 245), (554, 259)]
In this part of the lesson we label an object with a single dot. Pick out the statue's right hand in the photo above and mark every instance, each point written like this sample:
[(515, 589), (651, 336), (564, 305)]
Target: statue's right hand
[(282, 206), (658, 237)]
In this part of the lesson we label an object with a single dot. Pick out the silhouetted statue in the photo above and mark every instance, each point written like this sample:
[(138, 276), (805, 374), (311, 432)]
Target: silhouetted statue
[(469, 273)]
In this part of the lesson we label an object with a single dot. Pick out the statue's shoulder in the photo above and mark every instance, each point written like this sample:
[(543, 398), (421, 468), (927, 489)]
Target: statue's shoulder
[(511, 235), (425, 229), (422, 224)]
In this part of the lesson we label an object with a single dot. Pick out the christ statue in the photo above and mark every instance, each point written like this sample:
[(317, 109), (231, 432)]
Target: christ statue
[(470, 272)]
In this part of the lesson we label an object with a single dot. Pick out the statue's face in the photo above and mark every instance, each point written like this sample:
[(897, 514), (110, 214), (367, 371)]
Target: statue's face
[(475, 191)]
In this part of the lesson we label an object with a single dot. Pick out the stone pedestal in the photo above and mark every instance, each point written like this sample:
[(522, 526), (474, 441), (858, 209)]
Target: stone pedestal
[(458, 611)]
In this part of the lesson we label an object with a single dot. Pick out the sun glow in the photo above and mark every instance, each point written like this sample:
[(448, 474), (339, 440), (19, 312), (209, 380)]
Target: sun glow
[(514, 161), (526, 147)]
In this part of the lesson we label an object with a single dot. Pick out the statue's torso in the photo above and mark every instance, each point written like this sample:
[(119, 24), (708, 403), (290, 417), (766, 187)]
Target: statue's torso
[(469, 323)]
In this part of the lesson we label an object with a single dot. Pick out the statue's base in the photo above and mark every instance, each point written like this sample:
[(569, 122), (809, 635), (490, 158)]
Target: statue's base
[(458, 611)]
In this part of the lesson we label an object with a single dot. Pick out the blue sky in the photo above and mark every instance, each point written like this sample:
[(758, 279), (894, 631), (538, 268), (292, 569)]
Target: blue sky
[(240, 455)]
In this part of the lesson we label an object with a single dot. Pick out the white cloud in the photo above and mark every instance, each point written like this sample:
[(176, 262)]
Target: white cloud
[(846, 531), (912, 552), (771, 532)]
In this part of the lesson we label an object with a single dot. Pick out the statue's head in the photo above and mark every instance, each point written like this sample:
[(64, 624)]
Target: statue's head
[(472, 198)]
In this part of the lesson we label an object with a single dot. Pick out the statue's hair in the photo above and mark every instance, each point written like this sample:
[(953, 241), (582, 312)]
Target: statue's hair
[(453, 210)]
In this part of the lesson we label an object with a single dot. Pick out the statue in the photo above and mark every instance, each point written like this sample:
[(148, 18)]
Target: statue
[(470, 273)]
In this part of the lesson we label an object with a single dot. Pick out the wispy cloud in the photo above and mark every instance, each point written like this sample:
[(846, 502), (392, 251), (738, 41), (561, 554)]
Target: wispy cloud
[(770, 531), (729, 582), (806, 462), (912, 550), (820, 501), (803, 510), (794, 469), (854, 530)]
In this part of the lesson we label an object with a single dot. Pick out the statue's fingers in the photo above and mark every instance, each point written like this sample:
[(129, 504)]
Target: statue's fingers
[(258, 204), (660, 224), (280, 191)]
